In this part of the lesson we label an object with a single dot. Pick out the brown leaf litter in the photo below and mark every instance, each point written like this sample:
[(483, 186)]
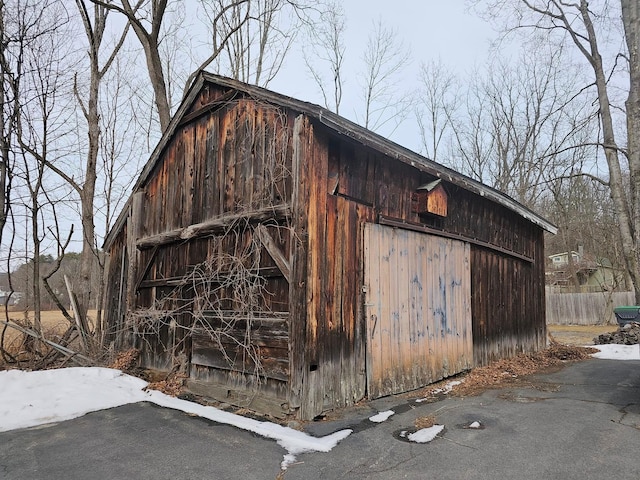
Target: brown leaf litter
[(169, 384), (510, 370)]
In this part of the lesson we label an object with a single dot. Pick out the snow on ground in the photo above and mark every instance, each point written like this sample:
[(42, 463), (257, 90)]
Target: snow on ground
[(28, 399), (425, 435), (381, 416), (613, 351), (446, 389)]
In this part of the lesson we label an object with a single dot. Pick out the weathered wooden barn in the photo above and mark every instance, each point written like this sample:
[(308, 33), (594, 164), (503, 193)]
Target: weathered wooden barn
[(294, 262)]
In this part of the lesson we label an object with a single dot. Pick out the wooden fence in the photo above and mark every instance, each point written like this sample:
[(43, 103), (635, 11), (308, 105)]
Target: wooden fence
[(585, 308)]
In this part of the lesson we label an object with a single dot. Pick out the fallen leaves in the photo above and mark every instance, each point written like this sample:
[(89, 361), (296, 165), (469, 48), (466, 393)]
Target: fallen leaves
[(172, 385), (510, 370)]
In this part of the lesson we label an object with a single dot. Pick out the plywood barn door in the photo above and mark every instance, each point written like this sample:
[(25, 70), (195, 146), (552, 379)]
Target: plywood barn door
[(417, 307)]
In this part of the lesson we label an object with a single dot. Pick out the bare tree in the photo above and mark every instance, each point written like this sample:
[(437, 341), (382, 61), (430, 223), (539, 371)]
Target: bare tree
[(36, 81), (145, 18), (577, 23), (7, 118), (515, 126), (250, 39), (384, 59), (327, 47), (94, 29), (437, 101)]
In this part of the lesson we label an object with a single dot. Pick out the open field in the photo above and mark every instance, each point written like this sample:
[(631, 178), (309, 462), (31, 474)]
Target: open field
[(53, 323)]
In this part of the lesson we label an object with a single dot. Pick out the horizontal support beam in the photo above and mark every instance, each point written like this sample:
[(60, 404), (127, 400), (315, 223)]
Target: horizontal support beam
[(213, 226), (265, 272), (417, 227)]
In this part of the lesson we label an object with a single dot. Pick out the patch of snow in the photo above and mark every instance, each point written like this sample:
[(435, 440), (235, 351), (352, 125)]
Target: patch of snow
[(444, 390), (475, 425), (28, 399), (425, 435), (614, 351), (381, 416)]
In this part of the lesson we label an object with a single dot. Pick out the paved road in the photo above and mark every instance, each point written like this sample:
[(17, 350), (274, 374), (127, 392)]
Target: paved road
[(582, 422)]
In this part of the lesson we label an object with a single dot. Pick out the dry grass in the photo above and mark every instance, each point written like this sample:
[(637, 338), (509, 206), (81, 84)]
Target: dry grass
[(53, 322), (578, 334), (19, 350)]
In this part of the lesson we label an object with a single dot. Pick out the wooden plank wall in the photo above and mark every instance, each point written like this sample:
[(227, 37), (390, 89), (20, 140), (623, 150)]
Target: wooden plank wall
[(234, 154), (507, 303), (585, 308), (115, 305), (373, 184), (328, 352), (418, 309), (231, 155)]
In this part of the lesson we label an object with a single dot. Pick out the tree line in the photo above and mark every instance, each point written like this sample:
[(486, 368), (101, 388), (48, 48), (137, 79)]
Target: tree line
[(89, 86)]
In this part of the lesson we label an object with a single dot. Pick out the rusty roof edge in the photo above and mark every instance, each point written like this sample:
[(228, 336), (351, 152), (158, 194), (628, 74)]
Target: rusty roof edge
[(416, 160), (367, 137)]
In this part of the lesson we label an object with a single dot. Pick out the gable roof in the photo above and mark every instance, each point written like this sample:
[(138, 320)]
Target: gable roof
[(341, 126)]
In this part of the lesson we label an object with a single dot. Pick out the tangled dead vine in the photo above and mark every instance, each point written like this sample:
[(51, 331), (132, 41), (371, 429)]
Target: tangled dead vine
[(220, 298)]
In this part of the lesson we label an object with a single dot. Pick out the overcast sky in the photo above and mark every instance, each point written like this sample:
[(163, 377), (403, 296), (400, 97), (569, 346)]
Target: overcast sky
[(432, 30)]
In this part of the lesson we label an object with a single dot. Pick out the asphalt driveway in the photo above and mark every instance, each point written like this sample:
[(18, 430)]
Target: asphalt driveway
[(582, 422)]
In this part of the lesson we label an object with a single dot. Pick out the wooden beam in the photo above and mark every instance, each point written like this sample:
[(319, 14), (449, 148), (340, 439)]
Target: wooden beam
[(249, 398), (146, 268), (216, 225), (266, 272), (270, 245), (416, 227)]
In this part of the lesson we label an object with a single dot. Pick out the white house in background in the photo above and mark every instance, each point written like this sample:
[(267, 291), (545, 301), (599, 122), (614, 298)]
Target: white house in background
[(562, 259), (586, 272), (15, 298)]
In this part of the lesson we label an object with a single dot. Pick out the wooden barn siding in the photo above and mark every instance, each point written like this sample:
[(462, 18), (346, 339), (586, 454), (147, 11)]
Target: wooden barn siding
[(227, 160), (418, 306), (340, 318), (508, 306), (355, 178), (507, 319), (115, 305)]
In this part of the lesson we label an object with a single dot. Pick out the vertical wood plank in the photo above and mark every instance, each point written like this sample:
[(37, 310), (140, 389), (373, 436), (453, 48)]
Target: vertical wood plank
[(297, 288)]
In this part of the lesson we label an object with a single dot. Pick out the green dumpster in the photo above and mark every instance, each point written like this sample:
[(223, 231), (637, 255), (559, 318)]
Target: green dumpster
[(626, 314)]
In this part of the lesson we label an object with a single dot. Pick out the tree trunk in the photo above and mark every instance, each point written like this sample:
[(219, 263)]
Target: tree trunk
[(631, 22), (624, 211), (87, 194), (156, 74)]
